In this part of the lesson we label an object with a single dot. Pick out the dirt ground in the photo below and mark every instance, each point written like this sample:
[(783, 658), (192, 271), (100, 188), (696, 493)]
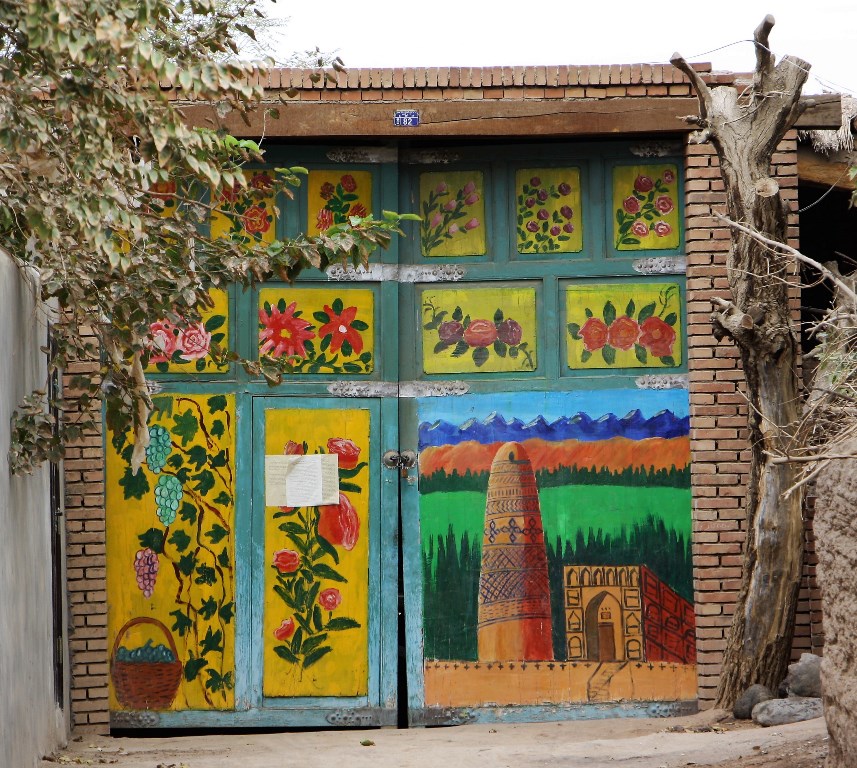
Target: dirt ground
[(707, 739)]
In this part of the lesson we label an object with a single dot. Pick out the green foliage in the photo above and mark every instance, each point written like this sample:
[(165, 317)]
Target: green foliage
[(450, 599), (636, 477), (88, 140), (451, 566)]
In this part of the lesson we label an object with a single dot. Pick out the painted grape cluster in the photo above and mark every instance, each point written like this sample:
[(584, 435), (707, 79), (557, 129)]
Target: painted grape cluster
[(148, 653), (168, 494), (146, 564), (158, 450)]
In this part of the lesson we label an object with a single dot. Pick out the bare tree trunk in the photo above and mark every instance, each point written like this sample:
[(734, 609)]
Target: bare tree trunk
[(745, 130)]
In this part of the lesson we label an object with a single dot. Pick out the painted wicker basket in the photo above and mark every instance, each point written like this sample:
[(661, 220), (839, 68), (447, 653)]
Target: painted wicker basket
[(145, 684)]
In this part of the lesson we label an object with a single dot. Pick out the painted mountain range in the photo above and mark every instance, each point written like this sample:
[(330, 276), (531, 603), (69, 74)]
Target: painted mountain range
[(581, 427), (615, 455)]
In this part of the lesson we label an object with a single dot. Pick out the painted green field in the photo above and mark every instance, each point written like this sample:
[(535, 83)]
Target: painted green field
[(565, 510)]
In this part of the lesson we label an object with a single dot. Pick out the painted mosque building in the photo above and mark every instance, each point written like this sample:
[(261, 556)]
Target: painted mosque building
[(613, 613)]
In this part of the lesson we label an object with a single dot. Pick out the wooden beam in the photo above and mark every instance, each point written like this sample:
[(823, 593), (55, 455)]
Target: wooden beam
[(823, 112), (832, 171), (579, 117)]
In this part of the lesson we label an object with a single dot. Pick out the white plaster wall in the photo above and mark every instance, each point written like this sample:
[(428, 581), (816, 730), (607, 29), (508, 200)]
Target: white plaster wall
[(31, 724)]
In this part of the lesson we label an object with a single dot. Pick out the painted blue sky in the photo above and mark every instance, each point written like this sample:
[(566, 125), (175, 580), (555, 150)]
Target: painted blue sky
[(552, 405)]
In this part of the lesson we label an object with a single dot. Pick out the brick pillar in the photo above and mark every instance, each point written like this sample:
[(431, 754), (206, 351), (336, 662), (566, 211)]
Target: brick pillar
[(86, 574)]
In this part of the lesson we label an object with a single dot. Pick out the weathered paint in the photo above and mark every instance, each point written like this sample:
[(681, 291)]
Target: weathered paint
[(480, 283)]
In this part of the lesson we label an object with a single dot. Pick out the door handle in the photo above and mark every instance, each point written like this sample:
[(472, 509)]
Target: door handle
[(391, 459), (403, 460)]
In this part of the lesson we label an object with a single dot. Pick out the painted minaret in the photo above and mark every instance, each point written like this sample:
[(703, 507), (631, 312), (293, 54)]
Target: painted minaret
[(514, 595)]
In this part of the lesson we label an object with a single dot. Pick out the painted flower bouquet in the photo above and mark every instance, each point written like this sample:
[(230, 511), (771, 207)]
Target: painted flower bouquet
[(441, 215), (247, 209), (331, 342), (340, 202), (306, 570), (479, 337), (541, 227), (650, 335), (170, 345), (642, 211)]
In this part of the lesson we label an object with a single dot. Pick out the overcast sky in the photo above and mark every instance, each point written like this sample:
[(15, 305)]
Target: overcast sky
[(397, 33)]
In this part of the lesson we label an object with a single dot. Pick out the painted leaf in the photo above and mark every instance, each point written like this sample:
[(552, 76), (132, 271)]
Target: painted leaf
[(216, 403), (212, 642), (182, 623), (186, 426), (193, 667), (340, 623), (646, 312), (316, 655), (609, 313), (197, 455), (153, 539), (180, 540), (134, 486), (217, 533), (208, 608)]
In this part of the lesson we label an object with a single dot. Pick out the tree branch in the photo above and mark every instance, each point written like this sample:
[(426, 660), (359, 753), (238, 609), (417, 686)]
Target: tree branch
[(764, 59), (702, 91), (837, 281)]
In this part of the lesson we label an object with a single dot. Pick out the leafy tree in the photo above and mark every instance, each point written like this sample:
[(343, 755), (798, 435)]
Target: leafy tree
[(87, 135)]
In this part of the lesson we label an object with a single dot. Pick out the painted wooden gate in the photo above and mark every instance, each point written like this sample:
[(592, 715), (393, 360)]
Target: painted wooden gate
[(526, 343)]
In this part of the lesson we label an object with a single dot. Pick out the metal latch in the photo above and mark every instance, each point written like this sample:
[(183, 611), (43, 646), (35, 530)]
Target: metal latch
[(402, 460)]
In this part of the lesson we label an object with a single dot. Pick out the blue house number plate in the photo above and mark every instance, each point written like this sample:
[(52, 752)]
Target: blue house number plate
[(406, 118)]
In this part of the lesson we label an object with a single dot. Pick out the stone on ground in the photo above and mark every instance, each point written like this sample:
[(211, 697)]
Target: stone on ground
[(754, 695), (791, 710), (804, 677)]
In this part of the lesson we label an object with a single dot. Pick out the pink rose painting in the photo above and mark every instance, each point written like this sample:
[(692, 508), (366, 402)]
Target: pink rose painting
[(646, 216)]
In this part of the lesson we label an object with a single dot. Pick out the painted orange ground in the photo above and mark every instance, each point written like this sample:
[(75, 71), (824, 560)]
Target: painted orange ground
[(615, 454), (463, 684)]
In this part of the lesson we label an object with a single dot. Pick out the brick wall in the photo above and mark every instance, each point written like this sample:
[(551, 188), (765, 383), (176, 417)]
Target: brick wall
[(718, 411), (86, 584)]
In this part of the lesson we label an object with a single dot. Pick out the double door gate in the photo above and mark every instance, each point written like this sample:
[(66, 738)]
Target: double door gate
[(470, 500)]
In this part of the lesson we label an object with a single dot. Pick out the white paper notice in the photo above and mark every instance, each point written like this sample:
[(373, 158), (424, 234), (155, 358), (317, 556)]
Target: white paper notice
[(301, 481)]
